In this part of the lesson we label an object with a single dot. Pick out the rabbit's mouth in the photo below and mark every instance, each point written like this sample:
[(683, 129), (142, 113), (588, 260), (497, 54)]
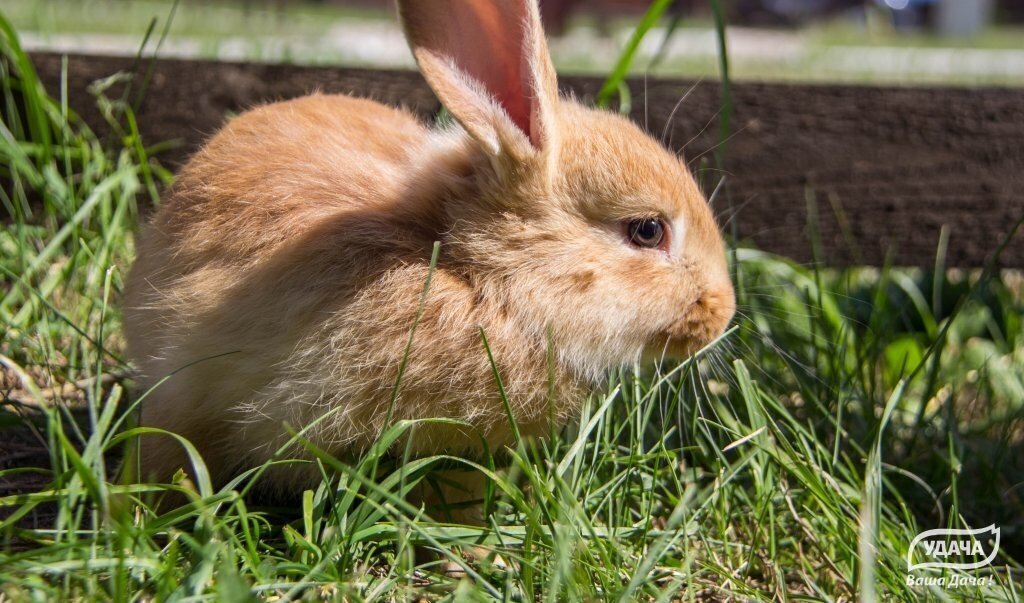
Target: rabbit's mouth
[(702, 322)]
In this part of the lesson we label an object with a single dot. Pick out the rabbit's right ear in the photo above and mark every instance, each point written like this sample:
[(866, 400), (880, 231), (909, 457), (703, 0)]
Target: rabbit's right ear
[(487, 60)]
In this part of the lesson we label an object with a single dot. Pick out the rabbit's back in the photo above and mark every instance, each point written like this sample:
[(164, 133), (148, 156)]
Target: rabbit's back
[(284, 214), (273, 170), (266, 191)]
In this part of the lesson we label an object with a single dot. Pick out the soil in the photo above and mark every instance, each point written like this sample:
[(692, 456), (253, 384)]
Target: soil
[(883, 169)]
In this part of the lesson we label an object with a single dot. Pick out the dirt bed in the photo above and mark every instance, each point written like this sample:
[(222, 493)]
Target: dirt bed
[(885, 168)]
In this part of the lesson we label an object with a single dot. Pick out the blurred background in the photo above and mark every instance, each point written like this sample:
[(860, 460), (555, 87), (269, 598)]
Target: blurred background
[(972, 42)]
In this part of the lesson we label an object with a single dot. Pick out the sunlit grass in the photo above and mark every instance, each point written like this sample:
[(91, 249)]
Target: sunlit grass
[(843, 49), (845, 411)]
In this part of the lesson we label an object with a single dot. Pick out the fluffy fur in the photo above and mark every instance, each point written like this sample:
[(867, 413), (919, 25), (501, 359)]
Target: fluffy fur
[(282, 275)]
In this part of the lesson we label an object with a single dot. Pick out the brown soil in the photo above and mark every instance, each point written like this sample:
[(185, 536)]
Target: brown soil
[(885, 167)]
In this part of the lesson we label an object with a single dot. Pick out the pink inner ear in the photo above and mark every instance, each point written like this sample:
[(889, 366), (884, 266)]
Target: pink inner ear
[(487, 40)]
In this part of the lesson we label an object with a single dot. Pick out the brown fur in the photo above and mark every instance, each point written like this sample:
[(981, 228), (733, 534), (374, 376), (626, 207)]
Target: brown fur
[(286, 267)]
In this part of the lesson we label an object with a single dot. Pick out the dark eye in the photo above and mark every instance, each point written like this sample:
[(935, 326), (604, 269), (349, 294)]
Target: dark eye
[(646, 232)]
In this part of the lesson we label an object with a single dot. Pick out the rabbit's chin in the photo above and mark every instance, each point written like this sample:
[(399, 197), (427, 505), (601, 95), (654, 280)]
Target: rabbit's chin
[(674, 348)]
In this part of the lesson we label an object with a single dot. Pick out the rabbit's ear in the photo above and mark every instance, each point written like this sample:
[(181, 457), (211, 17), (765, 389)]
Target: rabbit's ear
[(488, 62)]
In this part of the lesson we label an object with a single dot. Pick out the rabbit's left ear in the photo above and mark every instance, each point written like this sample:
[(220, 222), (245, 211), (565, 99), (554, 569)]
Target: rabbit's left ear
[(488, 62)]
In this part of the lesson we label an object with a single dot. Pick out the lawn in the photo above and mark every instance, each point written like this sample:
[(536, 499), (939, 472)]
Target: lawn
[(306, 32), (796, 458)]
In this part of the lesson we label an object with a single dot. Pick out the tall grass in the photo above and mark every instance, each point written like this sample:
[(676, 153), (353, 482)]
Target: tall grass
[(795, 458)]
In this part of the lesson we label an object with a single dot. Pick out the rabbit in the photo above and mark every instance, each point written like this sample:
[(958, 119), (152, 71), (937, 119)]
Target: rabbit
[(281, 277)]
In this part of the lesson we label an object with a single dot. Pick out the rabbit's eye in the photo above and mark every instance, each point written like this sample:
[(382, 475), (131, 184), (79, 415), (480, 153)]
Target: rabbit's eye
[(646, 232)]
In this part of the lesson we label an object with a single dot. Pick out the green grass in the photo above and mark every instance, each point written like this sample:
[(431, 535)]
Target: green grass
[(306, 32), (199, 19), (846, 411)]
